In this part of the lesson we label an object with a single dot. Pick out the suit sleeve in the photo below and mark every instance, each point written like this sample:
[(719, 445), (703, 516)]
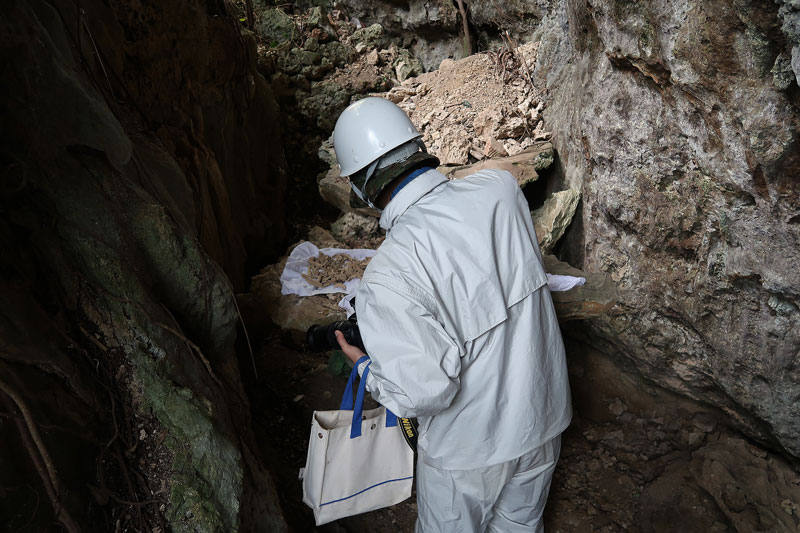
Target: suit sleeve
[(415, 363)]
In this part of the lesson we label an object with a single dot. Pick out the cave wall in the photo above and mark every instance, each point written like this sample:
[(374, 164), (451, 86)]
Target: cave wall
[(141, 165), (433, 30), (677, 122)]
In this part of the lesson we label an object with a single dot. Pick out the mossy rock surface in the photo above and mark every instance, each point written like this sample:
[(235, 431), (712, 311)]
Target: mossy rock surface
[(116, 226), (275, 26)]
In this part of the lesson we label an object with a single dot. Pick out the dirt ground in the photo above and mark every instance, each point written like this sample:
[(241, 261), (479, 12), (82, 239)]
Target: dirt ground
[(621, 468)]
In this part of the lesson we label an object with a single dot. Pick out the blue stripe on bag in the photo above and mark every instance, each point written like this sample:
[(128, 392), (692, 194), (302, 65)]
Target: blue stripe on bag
[(365, 490)]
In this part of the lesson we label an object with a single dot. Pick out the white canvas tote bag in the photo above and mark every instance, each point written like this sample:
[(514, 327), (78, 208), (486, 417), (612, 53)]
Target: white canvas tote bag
[(358, 460)]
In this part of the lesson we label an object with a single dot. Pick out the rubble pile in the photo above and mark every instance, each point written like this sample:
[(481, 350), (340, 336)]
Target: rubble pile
[(479, 112), (476, 108)]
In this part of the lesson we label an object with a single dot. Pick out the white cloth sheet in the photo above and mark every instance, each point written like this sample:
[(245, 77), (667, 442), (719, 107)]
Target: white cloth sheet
[(292, 281), (559, 283)]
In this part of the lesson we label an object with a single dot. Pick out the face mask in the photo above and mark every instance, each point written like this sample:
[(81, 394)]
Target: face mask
[(396, 156)]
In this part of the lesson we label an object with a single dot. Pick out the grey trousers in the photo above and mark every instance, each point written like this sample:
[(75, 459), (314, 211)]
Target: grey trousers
[(507, 497)]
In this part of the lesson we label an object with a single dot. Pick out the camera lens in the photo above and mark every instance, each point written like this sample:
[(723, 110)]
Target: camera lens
[(317, 338), (321, 338)]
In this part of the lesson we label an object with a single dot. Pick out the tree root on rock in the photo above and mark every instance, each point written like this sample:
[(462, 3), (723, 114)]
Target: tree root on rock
[(39, 455), (467, 40)]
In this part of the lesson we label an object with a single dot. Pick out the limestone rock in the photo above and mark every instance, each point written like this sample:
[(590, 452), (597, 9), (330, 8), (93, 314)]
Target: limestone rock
[(337, 53), (515, 17), (752, 489), (316, 17), (790, 14), (437, 18), (524, 166), (336, 191), (296, 59), (352, 226), (323, 238), (551, 220), (274, 25), (453, 148), (500, 122), (327, 153), (406, 65), (289, 311), (595, 298), (675, 502), (323, 103), (782, 74), (368, 38), (684, 153)]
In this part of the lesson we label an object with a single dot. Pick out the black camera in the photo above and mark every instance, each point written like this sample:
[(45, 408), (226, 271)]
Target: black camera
[(322, 338)]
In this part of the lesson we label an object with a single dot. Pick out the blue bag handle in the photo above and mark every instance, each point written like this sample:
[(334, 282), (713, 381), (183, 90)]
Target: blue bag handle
[(355, 426), (347, 397), (358, 408)]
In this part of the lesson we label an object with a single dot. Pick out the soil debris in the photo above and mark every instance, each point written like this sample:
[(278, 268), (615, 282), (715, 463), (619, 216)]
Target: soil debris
[(478, 107)]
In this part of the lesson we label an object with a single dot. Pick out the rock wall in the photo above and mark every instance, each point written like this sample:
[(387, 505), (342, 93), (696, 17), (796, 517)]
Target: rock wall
[(141, 163), (675, 120), (433, 30), (678, 121)]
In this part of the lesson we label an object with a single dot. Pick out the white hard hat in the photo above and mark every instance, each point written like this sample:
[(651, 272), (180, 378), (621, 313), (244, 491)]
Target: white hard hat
[(368, 129)]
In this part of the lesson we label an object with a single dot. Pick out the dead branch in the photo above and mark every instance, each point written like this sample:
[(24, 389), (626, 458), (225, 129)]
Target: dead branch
[(520, 59)]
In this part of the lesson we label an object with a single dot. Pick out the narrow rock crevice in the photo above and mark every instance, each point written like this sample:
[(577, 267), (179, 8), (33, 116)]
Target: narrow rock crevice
[(160, 161)]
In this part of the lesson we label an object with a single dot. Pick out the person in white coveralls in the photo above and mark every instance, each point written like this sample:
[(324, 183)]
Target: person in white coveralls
[(457, 319)]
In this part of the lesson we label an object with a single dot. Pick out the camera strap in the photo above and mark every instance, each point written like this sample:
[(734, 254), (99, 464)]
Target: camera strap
[(410, 431)]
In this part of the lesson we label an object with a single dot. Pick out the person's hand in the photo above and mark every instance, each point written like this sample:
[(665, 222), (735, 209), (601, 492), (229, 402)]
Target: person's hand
[(353, 353)]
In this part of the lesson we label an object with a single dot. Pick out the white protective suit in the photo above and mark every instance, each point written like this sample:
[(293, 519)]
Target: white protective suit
[(456, 316)]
